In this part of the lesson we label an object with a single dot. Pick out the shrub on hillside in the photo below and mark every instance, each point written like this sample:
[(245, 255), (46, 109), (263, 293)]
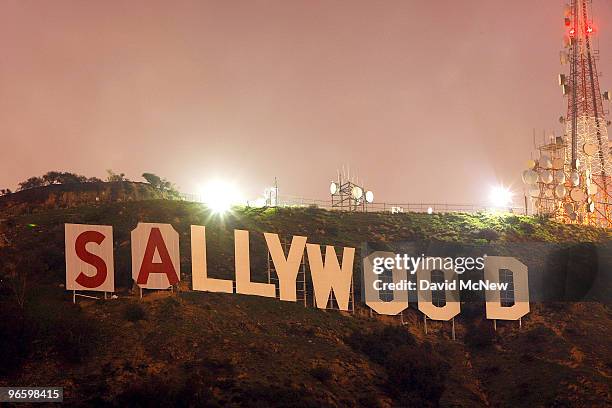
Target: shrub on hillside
[(487, 234), (321, 373), (134, 312)]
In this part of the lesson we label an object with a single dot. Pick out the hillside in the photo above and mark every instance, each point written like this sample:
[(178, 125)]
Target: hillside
[(76, 194), (204, 349)]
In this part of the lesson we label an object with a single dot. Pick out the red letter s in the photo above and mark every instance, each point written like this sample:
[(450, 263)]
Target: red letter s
[(101, 270)]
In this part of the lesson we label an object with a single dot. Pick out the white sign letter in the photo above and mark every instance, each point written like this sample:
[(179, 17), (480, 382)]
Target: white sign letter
[(155, 256), (286, 268), (243, 269), (89, 257), (199, 274), (328, 276), (520, 274), (372, 296)]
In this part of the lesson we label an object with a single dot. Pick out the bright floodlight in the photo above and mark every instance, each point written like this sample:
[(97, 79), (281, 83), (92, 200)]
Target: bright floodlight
[(369, 196), (220, 195), (429, 210), (500, 196), (333, 188)]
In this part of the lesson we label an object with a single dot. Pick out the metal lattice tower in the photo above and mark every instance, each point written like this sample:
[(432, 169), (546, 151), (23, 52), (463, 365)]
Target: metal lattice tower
[(585, 120), (586, 126), (571, 179)]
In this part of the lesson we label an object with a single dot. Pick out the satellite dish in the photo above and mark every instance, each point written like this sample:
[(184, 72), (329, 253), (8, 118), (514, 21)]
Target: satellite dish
[(546, 176), (369, 196), (574, 178), (591, 207), (566, 89), (534, 191), (333, 188), (562, 79), (560, 191), (557, 163), (572, 216), (569, 208), (560, 176), (357, 192), (548, 193), (592, 189), (530, 177), (589, 149), (577, 195), (545, 162), (531, 164)]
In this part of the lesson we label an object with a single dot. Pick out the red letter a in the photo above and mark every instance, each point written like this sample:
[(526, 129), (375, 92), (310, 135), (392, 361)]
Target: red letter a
[(156, 242)]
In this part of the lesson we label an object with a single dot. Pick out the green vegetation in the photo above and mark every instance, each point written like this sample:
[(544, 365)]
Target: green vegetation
[(55, 177), (164, 186), (112, 177)]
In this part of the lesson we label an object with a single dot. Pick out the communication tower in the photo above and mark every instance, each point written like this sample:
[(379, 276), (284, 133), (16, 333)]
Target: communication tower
[(571, 178), (349, 196)]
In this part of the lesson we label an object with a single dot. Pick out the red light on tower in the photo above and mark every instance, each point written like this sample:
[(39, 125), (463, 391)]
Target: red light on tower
[(572, 32), (589, 30)]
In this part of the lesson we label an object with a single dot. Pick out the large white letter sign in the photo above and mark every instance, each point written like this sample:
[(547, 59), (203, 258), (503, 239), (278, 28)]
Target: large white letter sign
[(243, 269), (372, 295), (494, 265), (286, 268), (89, 257), (199, 274), (328, 276), (452, 306), (155, 256)]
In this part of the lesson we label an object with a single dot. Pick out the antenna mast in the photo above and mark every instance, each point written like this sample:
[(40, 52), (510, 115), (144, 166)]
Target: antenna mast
[(571, 180)]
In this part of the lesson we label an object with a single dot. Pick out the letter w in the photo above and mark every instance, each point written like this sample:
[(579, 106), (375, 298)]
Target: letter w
[(328, 276)]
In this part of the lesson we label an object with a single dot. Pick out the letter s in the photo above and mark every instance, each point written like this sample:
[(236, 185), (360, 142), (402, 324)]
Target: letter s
[(92, 259)]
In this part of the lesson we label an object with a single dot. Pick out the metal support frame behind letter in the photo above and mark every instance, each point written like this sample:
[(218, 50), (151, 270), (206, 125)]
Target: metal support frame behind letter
[(75, 294)]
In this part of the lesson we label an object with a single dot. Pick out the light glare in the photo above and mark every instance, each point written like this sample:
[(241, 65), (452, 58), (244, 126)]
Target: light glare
[(500, 196), (220, 195)]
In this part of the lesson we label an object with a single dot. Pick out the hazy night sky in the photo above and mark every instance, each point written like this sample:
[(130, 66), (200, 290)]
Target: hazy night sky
[(427, 100)]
